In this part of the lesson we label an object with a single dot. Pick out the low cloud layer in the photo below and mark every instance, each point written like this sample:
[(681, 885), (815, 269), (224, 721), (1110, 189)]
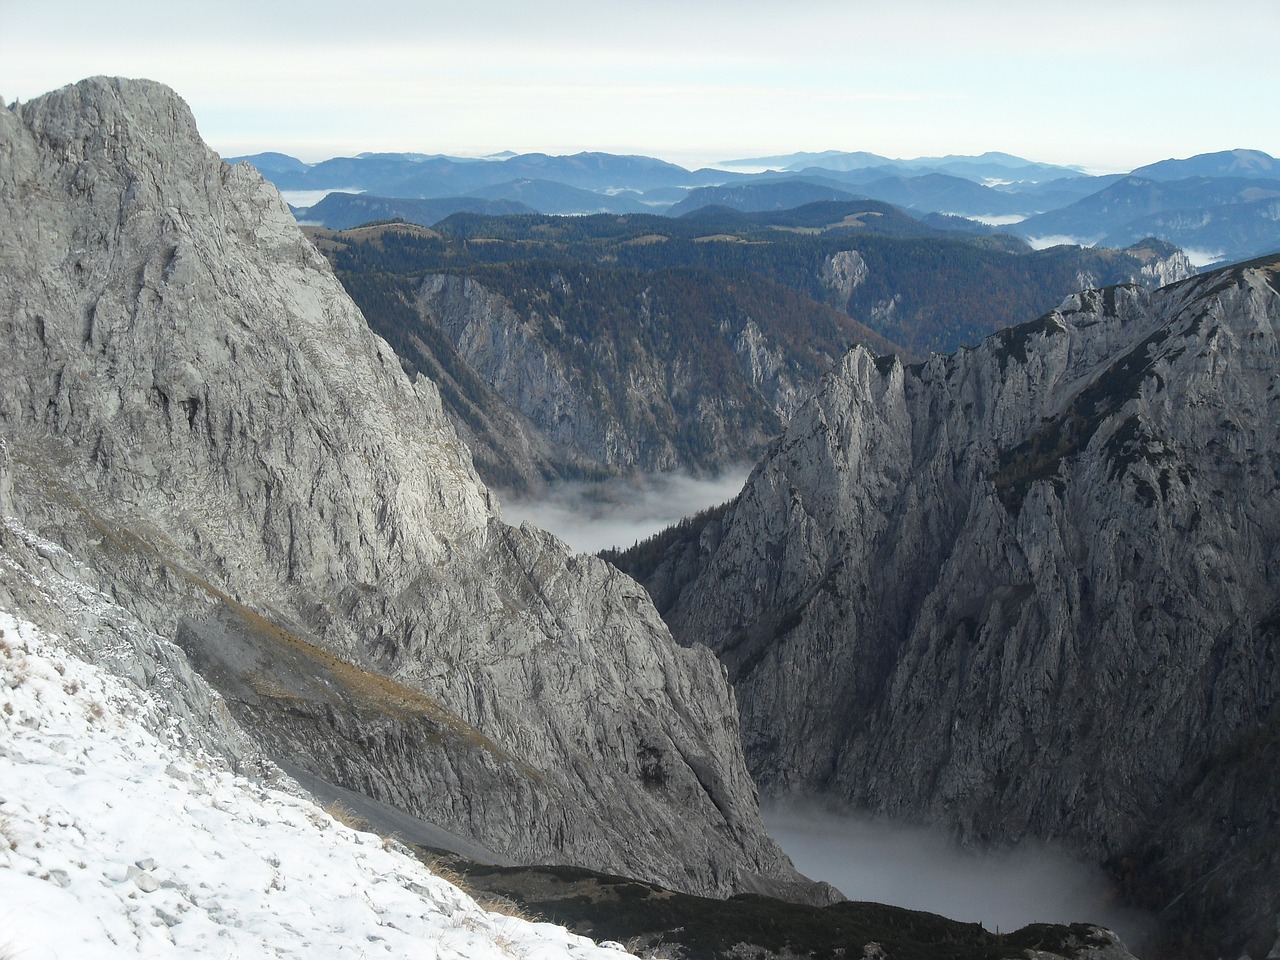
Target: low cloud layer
[(869, 859), (596, 516), (1060, 239)]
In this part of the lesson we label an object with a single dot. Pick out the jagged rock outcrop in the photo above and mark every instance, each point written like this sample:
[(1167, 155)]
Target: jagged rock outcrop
[(1031, 590), (842, 272), (1163, 266), (196, 412), (942, 295)]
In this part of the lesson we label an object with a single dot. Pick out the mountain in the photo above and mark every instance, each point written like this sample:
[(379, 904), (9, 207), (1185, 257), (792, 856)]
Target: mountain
[(603, 171), (996, 166), (1213, 204), (938, 192), (1233, 217), (219, 854), (556, 369), (274, 164), (1250, 228), (1028, 591), (826, 159), (1226, 163), (758, 196), (605, 346), (988, 166), (341, 211), (428, 176), (827, 217), (944, 193), (938, 296), (197, 414), (553, 197)]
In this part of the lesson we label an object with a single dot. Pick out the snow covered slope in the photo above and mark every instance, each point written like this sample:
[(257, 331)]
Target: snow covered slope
[(120, 835)]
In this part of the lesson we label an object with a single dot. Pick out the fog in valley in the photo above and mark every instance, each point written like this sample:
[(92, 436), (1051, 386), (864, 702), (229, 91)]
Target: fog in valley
[(915, 867), (617, 513), (865, 858)]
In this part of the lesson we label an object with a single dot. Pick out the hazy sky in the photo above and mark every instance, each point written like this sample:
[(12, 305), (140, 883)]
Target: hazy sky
[(1109, 84)]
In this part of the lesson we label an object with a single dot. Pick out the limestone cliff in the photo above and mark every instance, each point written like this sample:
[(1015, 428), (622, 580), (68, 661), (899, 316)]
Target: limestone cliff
[(575, 382), (1030, 590), (195, 410)]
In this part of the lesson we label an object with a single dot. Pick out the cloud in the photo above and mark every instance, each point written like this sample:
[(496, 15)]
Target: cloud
[(594, 516), (995, 219), (915, 867), (1059, 239), (1202, 258)]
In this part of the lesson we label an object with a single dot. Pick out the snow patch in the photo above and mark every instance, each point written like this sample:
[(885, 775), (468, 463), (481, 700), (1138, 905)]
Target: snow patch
[(117, 840)]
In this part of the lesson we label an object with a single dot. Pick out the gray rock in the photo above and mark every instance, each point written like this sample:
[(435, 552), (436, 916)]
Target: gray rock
[(841, 273), (60, 877), (196, 413), (142, 879), (1031, 590)]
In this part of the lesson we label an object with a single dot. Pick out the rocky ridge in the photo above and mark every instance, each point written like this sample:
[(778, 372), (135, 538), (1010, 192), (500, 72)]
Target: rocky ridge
[(196, 412), (1030, 591)]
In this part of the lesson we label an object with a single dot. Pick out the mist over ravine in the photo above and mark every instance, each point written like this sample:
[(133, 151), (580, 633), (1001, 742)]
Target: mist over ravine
[(593, 516), (919, 868)]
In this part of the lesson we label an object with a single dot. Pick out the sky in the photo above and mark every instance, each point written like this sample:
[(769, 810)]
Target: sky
[(1096, 83)]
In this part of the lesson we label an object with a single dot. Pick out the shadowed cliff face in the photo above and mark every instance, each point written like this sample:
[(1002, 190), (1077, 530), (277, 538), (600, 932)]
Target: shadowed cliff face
[(1030, 591), (197, 412)]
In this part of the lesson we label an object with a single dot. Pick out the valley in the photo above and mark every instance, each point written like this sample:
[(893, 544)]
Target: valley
[(877, 540)]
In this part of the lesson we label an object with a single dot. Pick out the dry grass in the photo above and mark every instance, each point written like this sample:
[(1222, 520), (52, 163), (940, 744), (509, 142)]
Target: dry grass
[(493, 903), (348, 817), (439, 867), (371, 690), (504, 907)]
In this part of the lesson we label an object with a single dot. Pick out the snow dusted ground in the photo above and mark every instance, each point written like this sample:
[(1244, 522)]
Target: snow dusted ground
[(119, 838)]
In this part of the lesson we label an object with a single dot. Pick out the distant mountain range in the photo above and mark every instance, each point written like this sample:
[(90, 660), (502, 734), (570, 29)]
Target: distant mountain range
[(990, 165), (1221, 206), (1218, 214)]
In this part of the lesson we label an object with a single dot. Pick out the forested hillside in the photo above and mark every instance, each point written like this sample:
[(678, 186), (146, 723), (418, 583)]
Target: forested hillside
[(590, 347)]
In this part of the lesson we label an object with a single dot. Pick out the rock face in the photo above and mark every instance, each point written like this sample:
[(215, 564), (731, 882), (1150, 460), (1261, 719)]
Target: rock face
[(1031, 590), (576, 383), (195, 410)]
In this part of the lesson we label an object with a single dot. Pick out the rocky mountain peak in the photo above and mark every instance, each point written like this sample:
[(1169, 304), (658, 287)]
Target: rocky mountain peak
[(1029, 591), (197, 413), (138, 126)]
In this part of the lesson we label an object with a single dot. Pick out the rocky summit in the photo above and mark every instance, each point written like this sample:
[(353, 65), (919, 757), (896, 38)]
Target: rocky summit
[(1030, 591), (197, 419)]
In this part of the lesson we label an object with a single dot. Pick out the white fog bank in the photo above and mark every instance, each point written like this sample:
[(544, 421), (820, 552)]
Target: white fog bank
[(918, 868), (617, 513)]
